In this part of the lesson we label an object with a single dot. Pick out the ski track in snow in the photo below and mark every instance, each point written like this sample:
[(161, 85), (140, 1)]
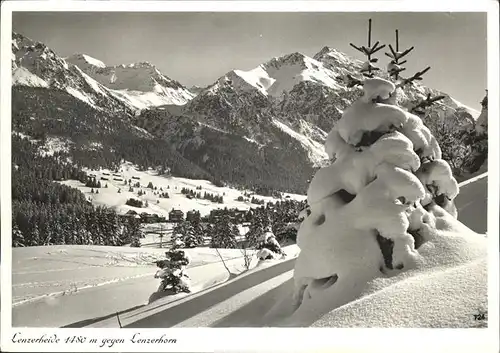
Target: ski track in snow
[(138, 260), (74, 288)]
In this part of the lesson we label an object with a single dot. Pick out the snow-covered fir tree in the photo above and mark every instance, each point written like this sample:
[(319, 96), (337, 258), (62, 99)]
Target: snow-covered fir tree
[(17, 236), (134, 232), (185, 233), (268, 246), (383, 208), (256, 229), (223, 233), (172, 271)]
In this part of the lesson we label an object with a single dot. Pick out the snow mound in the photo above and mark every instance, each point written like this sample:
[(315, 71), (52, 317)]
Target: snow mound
[(452, 271), (394, 306)]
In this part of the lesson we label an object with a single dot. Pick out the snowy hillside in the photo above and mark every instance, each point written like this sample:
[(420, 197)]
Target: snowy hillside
[(85, 62), (22, 77), (47, 281), (141, 84), (281, 75), (36, 65), (109, 196)]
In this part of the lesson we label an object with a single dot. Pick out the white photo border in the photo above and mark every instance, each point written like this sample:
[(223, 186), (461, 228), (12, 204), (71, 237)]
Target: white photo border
[(265, 339)]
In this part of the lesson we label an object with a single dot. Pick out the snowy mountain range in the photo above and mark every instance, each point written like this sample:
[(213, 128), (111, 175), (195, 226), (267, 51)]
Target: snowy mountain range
[(140, 84), (263, 127)]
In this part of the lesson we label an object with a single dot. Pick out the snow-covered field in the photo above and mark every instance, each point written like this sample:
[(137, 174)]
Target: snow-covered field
[(172, 185), (60, 285)]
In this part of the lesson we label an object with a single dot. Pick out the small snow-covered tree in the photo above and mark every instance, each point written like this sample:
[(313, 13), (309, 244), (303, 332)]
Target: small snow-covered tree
[(34, 237), (268, 246), (17, 236), (224, 233), (185, 233), (172, 271), (134, 232)]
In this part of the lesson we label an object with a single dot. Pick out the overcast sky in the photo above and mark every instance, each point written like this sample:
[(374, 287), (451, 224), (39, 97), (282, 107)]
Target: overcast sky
[(197, 48)]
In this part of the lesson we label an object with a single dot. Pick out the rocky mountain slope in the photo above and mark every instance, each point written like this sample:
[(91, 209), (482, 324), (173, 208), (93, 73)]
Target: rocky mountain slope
[(262, 128), (139, 84), (289, 103), (36, 65), (56, 101)]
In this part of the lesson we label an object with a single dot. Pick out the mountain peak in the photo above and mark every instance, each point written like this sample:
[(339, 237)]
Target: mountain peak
[(138, 65), (21, 37), (86, 60), (329, 55), (288, 59)]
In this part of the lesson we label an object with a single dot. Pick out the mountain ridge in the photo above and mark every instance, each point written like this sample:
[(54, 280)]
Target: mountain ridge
[(246, 128)]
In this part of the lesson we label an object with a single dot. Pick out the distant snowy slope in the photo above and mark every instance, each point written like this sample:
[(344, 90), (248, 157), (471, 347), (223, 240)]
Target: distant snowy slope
[(475, 113), (36, 65), (281, 74), (139, 84), (23, 77), (289, 70), (337, 61), (109, 196), (85, 62), (316, 151)]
